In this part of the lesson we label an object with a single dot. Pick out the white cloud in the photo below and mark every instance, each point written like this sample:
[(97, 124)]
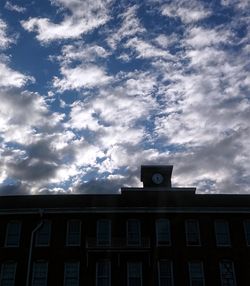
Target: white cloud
[(83, 52), (9, 77), (87, 154), (206, 112), (14, 7), (215, 166), (112, 118), (114, 136), (147, 50), (82, 76), (5, 39), (106, 114), (34, 147), (79, 68), (21, 113), (130, 27), (199, 37), (84, 16), (189, 12), (131, 156), (12, 78), (205, 104), (83, 8), (69, 28), (83, 117), (165, 41), (188, 107), (238, 4), (107, 122)]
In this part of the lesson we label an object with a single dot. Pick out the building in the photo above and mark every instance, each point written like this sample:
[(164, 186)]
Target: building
[(154, 235)]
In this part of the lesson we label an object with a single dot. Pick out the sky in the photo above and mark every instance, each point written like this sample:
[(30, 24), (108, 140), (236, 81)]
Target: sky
[(92, 90)]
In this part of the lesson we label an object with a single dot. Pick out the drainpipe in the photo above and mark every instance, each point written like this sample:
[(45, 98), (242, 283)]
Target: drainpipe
[(31, 246)]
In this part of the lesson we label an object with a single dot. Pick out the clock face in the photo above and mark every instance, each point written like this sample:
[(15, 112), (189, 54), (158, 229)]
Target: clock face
[(157, 178)]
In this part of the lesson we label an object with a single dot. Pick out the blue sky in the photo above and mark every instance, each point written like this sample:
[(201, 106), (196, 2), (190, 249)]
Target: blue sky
[(91, 90)]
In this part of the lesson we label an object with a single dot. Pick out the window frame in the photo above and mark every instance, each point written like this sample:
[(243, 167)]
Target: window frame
[(6, 242), (140, 272), (68, 233), (2, 272), (190, 234), (78, 272), (191, 282), (246, 224), (157, 230), (108, 276), (33, 271), (129, 241), (219, 234), (99, 241), (39, 244), (233, 271), (159, 271)]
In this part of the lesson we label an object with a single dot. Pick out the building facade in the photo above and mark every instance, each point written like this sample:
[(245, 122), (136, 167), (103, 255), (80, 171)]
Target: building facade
[(154, 235)]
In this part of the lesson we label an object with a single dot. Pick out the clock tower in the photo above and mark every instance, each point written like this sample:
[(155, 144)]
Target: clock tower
[(154, 176)]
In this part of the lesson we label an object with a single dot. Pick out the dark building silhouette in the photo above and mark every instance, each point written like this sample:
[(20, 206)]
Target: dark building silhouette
[(154, 235)]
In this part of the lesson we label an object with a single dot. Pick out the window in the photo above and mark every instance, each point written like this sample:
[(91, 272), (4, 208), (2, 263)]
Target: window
[(40, 273), (43, 234), (13, 234), (71, 273), (133, 232), (227, 273), (8, 273), (192, 232), (134, 274), (103, 273), (222, 233), (163, 232), (73, 233), (165, 273), (247, 231), (196, 275), (103, 232)]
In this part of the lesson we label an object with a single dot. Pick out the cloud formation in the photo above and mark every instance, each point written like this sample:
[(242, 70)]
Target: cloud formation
[(5, 40), (12, 78), (122, 85), (79, 18), (190, 12), (81, 77), (14, 7)]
